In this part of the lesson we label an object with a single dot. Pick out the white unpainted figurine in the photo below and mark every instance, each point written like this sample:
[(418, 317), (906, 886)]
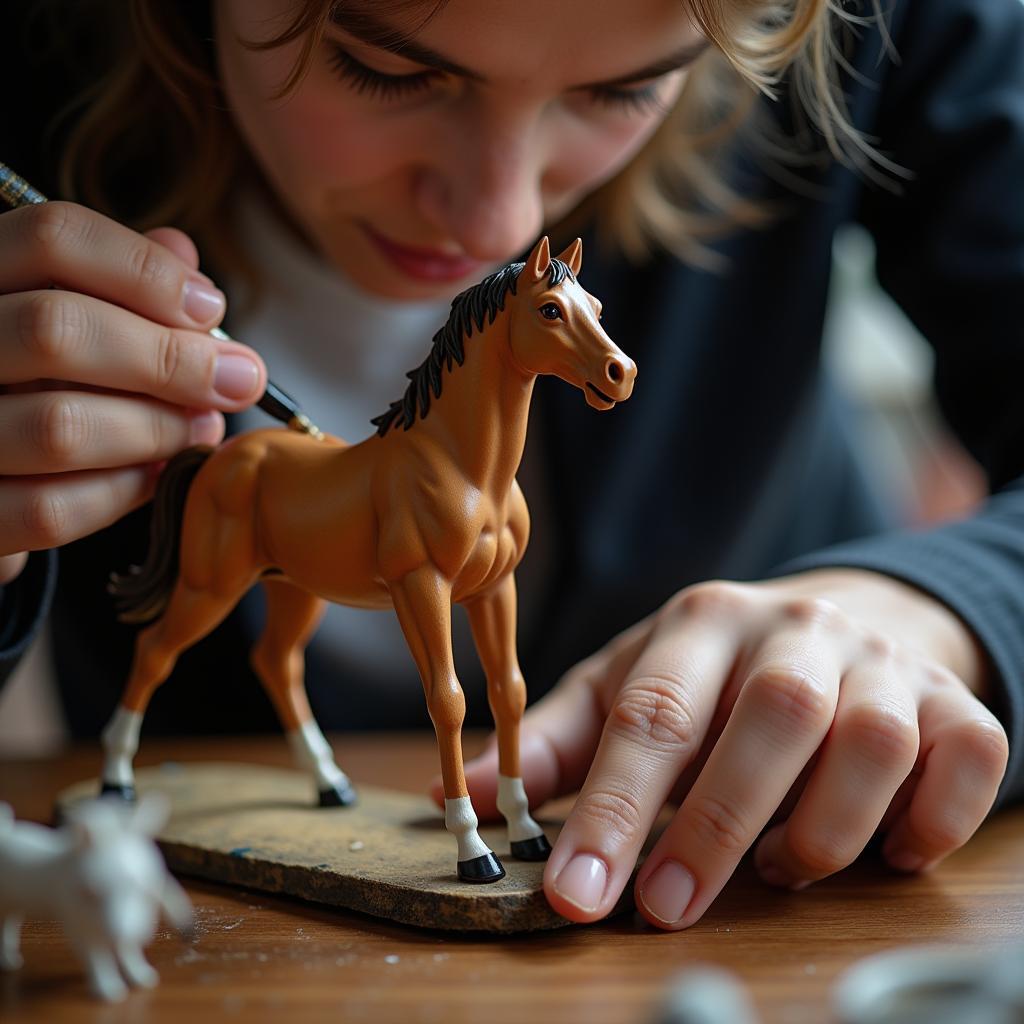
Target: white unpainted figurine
[(103, 877), (706, 994)]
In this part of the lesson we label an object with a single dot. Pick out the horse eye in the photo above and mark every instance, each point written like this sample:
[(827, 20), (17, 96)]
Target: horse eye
[(550, 311)]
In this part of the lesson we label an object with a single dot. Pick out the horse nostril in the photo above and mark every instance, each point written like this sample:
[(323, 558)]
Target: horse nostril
[(614, 373)]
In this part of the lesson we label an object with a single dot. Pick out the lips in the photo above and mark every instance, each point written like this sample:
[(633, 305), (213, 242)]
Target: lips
[(601, 395), (423, 264)]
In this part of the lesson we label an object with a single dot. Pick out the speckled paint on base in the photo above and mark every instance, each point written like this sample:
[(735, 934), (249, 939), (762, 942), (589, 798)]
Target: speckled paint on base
[(388, 856)]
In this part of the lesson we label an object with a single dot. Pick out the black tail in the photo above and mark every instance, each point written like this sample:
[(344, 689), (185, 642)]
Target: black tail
[(142, 593)]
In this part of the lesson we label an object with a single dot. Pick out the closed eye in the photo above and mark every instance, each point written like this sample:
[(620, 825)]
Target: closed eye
[(369, 82)]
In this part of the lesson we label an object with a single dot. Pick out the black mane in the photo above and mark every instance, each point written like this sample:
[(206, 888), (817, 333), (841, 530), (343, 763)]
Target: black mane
[(470, 309)]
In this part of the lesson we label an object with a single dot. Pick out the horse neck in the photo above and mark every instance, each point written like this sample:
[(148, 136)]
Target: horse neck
[(483, 410)]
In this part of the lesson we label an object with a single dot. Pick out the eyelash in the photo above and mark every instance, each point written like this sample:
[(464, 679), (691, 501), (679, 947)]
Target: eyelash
[(378, 85)]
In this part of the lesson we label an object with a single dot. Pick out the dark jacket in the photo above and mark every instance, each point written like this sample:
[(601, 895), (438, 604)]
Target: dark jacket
[(733, 459)]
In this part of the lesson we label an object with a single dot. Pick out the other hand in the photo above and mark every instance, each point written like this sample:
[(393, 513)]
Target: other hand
[(802, 714)]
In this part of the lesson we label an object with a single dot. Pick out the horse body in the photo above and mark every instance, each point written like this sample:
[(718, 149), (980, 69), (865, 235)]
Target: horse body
[(424, 514)]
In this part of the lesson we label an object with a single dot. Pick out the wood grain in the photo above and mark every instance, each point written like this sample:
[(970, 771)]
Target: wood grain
[(258, 957)]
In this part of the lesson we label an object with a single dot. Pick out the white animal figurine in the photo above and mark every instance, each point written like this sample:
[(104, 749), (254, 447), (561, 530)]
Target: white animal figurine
[(102, 875)]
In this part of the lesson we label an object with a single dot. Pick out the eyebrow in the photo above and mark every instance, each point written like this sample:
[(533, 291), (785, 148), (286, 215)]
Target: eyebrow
[(374, 32)]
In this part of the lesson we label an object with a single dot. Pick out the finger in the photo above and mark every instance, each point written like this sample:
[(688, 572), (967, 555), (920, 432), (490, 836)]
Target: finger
[(782, 713), (47, 511), (61, 431), (11, 566), (177, 242), (80, 250), (77, 338), (655, 725), (869, 752), (965, 752)]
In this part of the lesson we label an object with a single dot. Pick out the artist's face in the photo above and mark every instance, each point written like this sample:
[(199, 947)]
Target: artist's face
[(414, 177)]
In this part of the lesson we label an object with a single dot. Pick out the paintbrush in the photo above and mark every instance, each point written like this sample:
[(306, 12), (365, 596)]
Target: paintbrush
[(16, 191)]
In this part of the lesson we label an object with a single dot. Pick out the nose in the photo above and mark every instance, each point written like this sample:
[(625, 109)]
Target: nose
[(485, 192), (620, 372)]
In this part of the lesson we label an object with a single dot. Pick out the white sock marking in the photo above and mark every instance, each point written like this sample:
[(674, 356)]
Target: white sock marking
[(120, 742), (515, 808), (460, 819), (311, 749)]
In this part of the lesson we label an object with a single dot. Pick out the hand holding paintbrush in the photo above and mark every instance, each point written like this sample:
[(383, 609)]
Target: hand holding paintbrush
[(107, 367)]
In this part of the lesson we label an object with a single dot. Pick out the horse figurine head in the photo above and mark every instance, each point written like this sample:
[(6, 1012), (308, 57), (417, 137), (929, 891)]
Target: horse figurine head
[(555, 329)]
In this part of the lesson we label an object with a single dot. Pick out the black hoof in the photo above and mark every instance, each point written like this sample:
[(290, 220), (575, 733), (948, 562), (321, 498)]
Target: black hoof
[(341, 795), (118, 790), (486, 868), (537, 848)]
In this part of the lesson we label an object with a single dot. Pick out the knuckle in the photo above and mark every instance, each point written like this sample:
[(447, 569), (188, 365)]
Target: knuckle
[(615, 814), (822, 855), (985, 747), (169, 357), (46, 516), (882, 734), (654, 712), (48, 324), (717, 826), (54, 228), (165, 434), (941, 677), (61, 426), (814, 611), (148, 264), (882, 648), (797, 697), (944, 831), (713, 600)]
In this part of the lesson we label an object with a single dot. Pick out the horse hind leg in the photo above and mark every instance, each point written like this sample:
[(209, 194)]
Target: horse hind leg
[(190, 615), (292, 616)]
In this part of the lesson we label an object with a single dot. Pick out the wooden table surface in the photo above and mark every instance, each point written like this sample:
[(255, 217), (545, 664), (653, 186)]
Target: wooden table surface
[(266, 958)]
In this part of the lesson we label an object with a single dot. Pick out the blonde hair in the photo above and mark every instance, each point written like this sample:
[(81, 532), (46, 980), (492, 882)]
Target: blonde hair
[(673, 193)]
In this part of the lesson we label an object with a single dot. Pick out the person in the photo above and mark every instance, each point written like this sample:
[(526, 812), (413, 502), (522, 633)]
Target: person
[(722, 606)]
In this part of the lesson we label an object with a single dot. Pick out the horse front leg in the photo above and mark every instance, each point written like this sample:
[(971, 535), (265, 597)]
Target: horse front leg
[(422, 602), (492, 617)]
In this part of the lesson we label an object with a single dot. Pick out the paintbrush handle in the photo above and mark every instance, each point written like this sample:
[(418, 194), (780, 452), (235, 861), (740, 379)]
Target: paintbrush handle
[(16, 191)]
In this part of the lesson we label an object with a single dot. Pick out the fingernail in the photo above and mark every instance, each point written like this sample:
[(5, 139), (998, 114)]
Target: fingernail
[(905, 860), (582, 881), (667, 892), (203, 302), (206, 428), (235, 376)]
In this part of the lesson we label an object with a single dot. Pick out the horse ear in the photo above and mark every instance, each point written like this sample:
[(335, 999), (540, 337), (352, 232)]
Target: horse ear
[(538, 261), (573, 255)]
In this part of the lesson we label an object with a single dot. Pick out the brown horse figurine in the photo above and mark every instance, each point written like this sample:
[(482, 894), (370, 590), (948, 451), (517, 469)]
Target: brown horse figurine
[(425, 512)]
